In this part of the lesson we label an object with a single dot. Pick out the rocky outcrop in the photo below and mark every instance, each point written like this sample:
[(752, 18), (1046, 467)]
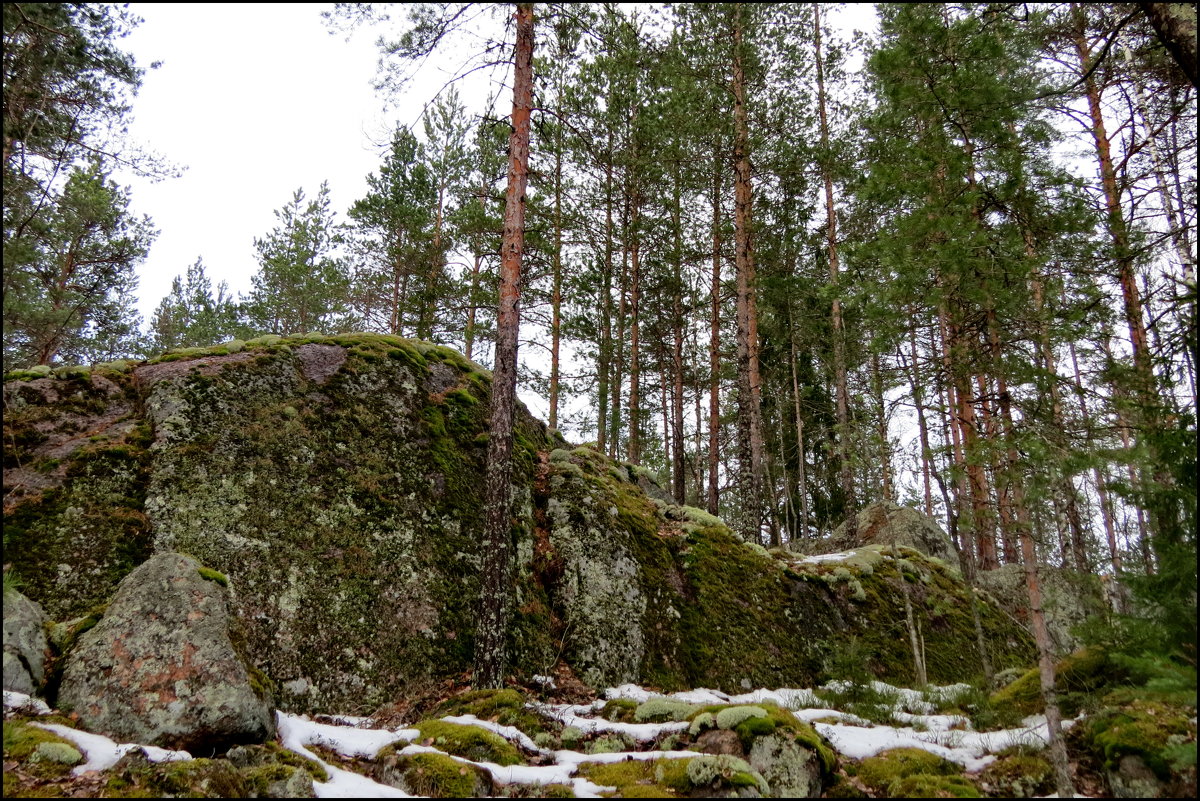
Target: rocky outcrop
[(887, 523), (24, 644), (1068, 599), (337, 482), (161, 669)]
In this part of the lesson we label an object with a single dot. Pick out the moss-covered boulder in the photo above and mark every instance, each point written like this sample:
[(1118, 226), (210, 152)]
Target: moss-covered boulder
[(887, 523), (161, 669), (24, 644), (433, 775), (914, 773), (336, 484)]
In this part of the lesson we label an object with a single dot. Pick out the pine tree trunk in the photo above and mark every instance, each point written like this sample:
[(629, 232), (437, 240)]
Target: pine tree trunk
[(604, 361), (751, 452), (556, 289), (714, 347), (922, 428), (679, 479), (496, 585), (839, 333), (634, 450)]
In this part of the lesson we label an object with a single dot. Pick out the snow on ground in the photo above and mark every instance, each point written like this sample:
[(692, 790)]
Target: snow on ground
[(23, 702), (101, 753), (827, 557), (571, 715), (948, 736), (507, 732)]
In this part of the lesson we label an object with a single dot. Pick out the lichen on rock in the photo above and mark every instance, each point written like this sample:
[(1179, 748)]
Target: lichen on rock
[(160, 667)]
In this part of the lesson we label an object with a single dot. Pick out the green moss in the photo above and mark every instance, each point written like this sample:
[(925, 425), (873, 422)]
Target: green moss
[(662, 709), (636, 778), (21, 743), (135, 777), (914, 773), (212, 575), (438, 776), (92, 528), (471, 742), (1018, 773), (714, 772), (506, 707), (1150, 729), (620, 710), (732, 716), (1076, 676)]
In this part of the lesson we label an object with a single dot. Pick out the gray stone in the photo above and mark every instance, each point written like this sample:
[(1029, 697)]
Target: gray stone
[(24, 644), (1133, 779), (1068, 599), (160, 667), (886, 523), (791, 770)]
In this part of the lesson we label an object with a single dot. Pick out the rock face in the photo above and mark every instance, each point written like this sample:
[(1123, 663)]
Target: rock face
[(885, 522), (160, 667), (337, 482), (1068, 599), (24, 644)]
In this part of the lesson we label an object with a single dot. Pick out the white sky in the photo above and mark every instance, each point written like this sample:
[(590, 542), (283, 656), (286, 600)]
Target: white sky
[(255, 101)]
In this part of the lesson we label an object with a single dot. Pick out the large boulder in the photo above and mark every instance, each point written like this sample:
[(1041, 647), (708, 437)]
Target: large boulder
[(160, 668), (1068, 599), (337, 481), (887, 523), (24, 644)]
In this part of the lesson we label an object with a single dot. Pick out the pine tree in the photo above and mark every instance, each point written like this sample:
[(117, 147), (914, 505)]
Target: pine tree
[(191, 315), (72, 274), (300, 286), (395, 277)]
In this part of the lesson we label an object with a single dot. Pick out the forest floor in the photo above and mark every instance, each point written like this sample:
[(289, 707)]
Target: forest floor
[(562, 748)]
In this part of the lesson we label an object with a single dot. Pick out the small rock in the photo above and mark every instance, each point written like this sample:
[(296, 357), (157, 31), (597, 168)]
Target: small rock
[(720, 741)]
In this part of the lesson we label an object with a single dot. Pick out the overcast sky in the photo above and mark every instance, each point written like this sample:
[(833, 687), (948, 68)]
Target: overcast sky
[(254, 101)]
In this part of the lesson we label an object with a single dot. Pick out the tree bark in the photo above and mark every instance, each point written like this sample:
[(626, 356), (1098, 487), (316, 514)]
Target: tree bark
[(749, 398), (497, 580), (714, 347), (839, 333), (1175, 26)]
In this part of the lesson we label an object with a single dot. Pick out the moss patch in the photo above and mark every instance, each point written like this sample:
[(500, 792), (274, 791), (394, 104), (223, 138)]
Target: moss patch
[(471, 742), (1076, 677), (506, 707), (915, 773)]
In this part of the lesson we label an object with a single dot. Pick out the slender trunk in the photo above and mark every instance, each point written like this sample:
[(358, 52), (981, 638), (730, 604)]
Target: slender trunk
[(839, 334), (634, 450), (604, 362), (1037, 618), (677, 352), (1110, 533), (922, 428), (885, 454), (618, 366), (496, 549), (801, 488), (714, 346), (556, 290), (1117, 230), (751, 449)]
